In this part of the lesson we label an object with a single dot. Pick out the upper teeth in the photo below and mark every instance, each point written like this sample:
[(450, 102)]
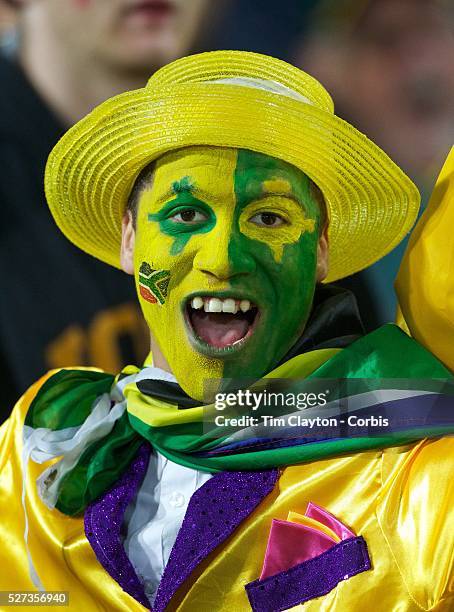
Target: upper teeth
[(213, 304), (197, 302)]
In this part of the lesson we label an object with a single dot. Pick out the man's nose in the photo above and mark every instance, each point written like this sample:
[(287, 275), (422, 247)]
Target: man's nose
[(222, 257)]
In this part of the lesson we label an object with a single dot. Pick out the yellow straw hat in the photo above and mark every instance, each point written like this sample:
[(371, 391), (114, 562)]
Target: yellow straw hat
[(231, 99)]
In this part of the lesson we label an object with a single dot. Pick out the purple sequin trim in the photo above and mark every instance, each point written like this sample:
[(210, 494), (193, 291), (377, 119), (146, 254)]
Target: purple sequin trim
[(103, 519), (310, 579), (214, 511)]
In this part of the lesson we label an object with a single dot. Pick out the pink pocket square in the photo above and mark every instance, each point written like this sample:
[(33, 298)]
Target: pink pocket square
[(329, 520), (306, 557), (302, 537)]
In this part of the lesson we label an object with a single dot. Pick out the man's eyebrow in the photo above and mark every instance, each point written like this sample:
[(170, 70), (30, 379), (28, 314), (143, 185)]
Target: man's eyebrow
[(192, 193), (170, 194), (288, 196), (281, 188), (269, 187), (277, 188), (184, 185)]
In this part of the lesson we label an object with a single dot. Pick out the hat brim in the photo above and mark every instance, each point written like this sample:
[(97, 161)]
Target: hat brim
[(371, 203)]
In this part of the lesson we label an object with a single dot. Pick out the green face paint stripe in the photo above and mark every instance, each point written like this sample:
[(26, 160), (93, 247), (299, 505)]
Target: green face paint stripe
[(153, 284), (285, 288), (182, 232)]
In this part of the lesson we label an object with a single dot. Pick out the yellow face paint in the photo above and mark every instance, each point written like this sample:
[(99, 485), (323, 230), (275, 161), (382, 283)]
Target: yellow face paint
[(232, 230), (277, 186)]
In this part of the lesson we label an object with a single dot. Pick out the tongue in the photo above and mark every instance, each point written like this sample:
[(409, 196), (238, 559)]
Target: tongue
[(219, 329)]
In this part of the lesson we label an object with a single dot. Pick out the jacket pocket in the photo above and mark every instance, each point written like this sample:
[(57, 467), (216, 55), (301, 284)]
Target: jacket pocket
[(310, 579)]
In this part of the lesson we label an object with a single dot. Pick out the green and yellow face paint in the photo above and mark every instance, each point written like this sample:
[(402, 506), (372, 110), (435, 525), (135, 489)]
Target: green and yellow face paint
[(225, 261)]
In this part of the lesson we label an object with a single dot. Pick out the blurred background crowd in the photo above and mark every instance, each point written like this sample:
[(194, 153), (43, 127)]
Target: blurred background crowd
[(387, 63)]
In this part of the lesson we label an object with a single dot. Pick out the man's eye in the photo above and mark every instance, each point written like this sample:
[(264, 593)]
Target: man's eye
[(267, 219), (189, 215)]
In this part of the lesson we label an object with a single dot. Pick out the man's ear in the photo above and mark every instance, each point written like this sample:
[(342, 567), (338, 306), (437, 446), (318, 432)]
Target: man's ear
[(322, 268), (128, 239)]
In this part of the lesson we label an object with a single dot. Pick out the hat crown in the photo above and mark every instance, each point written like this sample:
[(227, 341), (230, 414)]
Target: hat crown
[(247, 69)]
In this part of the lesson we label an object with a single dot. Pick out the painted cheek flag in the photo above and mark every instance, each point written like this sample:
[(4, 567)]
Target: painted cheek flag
[(153, 284)]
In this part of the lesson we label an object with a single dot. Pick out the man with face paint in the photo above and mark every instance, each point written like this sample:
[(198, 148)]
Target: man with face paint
[(234, 195)]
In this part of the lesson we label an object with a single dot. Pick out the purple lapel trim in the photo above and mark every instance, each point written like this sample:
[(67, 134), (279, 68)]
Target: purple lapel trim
[(103, 519), (214, 511), (310, 579)]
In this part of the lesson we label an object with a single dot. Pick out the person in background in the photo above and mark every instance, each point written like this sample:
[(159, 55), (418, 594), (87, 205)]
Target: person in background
[(7, 24), (388, 64), (70, 55)]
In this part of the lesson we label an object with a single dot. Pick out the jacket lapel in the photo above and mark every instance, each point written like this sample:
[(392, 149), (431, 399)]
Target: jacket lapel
[(214, 512), (103, 520)]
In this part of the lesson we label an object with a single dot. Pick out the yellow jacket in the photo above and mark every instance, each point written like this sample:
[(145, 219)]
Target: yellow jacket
[(400, 500)]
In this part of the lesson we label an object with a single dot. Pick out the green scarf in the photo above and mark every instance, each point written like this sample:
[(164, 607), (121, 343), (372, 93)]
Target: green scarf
[(67, 399)]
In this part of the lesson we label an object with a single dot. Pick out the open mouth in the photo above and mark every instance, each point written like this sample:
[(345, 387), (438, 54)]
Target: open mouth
[(221, 323)]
